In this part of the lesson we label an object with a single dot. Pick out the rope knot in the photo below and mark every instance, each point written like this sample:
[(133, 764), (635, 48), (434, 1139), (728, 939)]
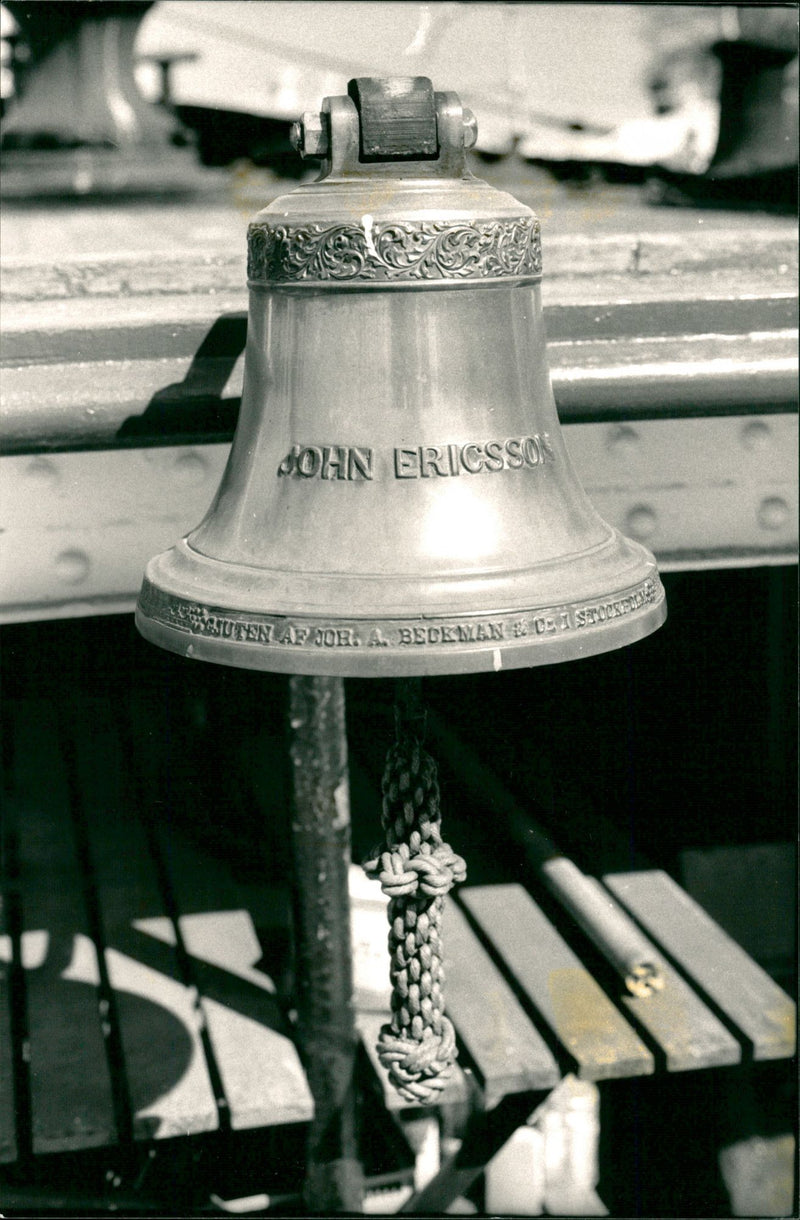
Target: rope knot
[(438, 870), (419, 1070), (416, 869), (434, 872), (393, 870)]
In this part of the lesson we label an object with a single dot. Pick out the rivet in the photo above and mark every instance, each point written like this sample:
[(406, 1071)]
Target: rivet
[(72, 566), (622, 439), (191, 468), (756, 434), (640, 521), (42, 471), (773, 513)]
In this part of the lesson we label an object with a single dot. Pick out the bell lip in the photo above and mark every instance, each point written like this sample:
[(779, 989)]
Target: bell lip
[(606, 568), (374, 663), (182, 611)]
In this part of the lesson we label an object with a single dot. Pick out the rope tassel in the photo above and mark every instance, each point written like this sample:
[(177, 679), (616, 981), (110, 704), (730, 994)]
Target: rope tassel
[(416, 869)]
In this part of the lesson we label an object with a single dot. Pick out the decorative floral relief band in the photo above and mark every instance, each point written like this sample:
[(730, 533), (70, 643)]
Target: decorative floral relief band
[(256, 629), (394, 251)]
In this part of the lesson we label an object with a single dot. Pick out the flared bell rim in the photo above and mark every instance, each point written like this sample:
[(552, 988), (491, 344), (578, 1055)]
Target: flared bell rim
[(373, 662), (613, 561), (182, 610)]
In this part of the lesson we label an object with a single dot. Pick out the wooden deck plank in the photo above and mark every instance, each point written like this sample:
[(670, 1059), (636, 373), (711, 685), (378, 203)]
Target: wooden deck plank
[(71, 1092), (509, 1053), (168, 1081), (592, 1031), (688, 1033), (223, 996), (728, 976), (259, 1066)]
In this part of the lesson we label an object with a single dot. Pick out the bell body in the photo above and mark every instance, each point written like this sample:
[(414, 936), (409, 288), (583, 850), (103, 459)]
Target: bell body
[(399, 498)]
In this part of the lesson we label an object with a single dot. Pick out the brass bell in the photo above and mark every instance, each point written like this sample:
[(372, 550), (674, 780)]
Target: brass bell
[(398, 499)]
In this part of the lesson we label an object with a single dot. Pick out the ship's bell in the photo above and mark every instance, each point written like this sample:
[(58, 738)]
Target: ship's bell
[(399, 499)]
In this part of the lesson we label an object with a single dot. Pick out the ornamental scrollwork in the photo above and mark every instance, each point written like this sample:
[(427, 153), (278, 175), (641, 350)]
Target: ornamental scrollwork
[(394, 251)]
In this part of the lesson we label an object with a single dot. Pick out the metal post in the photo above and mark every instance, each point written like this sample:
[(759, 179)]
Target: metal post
[(324, 984)]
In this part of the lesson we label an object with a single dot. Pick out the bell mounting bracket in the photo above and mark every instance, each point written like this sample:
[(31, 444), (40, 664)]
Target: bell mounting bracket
[(389, 127)]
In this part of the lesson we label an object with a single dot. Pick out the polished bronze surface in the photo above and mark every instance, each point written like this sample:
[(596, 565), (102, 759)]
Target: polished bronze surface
[(399, 498)]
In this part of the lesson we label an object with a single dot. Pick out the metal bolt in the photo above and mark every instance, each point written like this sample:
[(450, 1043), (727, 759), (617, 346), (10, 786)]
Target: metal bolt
[(309, 135), (470, 129), (296, 136)]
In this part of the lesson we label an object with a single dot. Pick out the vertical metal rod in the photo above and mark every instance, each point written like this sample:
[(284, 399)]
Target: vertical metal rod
[(324, 976)]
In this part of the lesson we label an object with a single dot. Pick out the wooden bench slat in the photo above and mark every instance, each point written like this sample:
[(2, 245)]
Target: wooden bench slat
[(259, 1065), (728, 976), (687, 1032), (213, 885), (592, 1031), (259, 1071), (509, 1053), (71, 1091), (168, 1082)]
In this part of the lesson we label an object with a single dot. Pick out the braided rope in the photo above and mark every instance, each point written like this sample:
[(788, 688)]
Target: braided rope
[(416, 870)]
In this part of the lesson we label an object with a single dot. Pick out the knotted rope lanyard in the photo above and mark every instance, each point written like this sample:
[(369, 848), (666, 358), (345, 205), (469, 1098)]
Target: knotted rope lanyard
[(416, 869)]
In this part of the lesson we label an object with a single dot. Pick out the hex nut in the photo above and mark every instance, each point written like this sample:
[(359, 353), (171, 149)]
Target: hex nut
[(315, 142)]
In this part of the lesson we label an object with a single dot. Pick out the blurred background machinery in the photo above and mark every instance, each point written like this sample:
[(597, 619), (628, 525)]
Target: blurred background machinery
[(702, 102)]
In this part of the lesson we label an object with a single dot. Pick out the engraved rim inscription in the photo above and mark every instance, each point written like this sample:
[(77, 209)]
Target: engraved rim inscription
[(394, 252), (501, 629)]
